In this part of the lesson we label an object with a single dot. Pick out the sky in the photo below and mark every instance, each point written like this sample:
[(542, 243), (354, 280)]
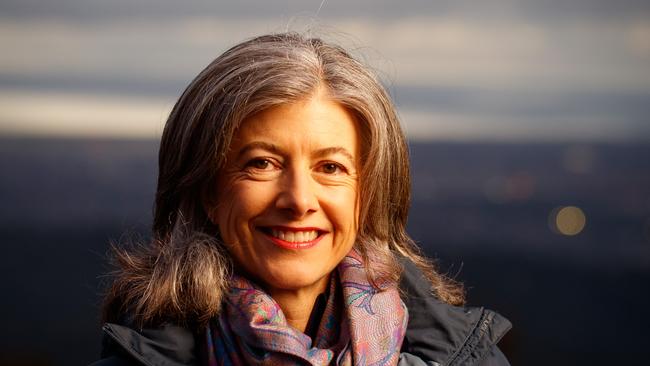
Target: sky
[(505, 70)]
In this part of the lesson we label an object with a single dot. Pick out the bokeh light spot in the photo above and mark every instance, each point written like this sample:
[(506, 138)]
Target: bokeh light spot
[(569, 220), (517, 187)]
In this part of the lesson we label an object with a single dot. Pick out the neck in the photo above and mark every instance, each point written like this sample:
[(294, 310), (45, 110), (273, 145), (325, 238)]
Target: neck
[(297, 305)]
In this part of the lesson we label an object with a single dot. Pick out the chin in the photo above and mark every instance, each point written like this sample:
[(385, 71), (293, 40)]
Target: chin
[(297, 279)]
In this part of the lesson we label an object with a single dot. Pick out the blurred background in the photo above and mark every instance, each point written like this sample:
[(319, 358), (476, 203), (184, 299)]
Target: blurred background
[(529, 125)]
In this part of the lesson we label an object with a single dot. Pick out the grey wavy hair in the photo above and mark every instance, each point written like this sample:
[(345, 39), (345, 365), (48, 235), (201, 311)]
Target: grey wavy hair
[(182, 274)]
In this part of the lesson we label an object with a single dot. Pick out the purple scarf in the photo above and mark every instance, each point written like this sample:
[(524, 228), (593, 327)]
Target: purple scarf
[(252, 330)]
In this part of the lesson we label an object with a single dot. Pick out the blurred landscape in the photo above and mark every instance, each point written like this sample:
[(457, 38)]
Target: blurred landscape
[(486, 211), (529, 124)]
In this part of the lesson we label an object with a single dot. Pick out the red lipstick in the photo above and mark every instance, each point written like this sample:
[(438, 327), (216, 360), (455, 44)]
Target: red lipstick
[(293, 245)]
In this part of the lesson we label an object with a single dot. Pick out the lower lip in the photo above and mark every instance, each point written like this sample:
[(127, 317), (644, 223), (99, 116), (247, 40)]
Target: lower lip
[(291, 245)]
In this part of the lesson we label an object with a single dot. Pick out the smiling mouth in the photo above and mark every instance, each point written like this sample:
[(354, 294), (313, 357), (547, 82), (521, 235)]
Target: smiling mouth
[(293, 239)]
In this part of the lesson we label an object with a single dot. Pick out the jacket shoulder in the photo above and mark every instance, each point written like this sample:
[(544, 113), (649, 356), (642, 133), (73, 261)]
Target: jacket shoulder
[(444, 334), (168, 345)]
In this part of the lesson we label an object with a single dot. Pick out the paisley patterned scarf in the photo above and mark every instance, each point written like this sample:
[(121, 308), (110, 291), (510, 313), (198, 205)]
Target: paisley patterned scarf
[(360, 325)]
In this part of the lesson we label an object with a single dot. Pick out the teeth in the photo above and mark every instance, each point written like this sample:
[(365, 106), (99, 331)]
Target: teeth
[(295, 236)]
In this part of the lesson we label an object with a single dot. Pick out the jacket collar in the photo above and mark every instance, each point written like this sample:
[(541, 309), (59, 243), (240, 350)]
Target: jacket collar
[(168, 345)]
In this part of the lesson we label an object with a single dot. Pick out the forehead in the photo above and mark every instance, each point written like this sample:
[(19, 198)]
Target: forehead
[(315, 122)]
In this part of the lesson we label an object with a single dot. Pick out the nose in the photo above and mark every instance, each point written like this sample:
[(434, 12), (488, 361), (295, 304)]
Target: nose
[(298, 194)]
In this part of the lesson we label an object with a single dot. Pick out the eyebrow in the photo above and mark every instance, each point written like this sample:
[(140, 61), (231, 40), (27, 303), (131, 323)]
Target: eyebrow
[(259, 145), (336, 150), (275, 149)]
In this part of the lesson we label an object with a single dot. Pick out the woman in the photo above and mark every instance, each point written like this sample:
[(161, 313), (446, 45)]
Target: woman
[(279, 228)]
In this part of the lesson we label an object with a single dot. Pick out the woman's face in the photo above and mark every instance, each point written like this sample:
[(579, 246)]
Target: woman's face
[(287, 207)]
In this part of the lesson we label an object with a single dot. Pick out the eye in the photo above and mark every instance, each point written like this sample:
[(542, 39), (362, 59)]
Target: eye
[(332, 168), (260, 164)]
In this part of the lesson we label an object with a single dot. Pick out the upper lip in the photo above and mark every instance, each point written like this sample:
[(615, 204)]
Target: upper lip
[(294, 229)]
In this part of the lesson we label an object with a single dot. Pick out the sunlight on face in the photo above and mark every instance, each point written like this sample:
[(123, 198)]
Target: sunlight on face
[(287, 207)]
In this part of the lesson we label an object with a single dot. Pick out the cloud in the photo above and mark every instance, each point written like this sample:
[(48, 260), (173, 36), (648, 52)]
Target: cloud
[(515, 65), (427, 125), (64, 114), (407, 51)]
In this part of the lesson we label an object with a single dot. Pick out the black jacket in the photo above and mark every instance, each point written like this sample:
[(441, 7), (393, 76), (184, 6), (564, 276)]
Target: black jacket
[(438, 334)]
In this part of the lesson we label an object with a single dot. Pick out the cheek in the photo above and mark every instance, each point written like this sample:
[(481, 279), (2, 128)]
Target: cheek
[(232, 226), (236, 206), (344, 207)]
